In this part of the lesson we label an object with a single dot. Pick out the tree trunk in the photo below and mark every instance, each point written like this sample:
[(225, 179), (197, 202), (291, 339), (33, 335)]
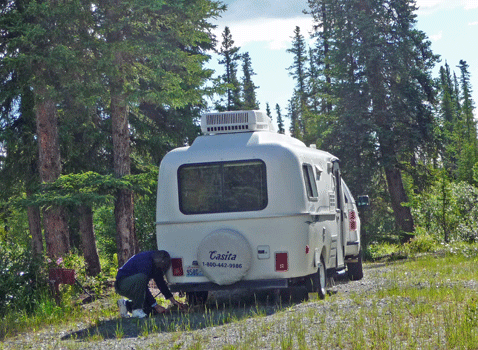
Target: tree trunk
[(88, 242), (386, 137), (402, 214), (34, 225), (125, 236), (56, 231), (55, 223), (126, 242)]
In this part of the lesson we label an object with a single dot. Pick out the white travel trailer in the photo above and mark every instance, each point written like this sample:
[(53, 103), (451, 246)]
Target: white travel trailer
[(246, 207)]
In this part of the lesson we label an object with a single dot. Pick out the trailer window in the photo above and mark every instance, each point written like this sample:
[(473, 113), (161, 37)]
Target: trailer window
[(222, 187), (309, 179)]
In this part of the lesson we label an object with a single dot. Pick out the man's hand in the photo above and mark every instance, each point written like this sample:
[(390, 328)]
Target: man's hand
[(181, 306)]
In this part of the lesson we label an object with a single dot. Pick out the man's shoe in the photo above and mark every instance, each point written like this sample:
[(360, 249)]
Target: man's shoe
[(139, 313), (123, 310)]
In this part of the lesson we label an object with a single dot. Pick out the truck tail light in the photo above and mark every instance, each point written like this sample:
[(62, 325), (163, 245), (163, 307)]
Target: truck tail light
[(177, 266), (282, 262), (352, 220)]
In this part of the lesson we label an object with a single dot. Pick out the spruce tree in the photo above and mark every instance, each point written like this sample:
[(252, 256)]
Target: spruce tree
[(229, 81), (293, 114), (153, 55), (467, 135), (42, 47), (448, 119), (280, 120), (378, 66), (298, 70), (268, 110), (110, 57), (248, 87)]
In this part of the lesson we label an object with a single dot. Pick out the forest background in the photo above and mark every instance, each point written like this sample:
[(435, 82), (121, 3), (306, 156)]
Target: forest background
[(94, 94)]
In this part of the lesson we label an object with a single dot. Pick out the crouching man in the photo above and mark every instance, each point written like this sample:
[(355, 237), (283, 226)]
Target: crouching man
[(132, 282)]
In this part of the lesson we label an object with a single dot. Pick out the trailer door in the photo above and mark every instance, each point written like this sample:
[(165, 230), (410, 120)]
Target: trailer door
[(340, 212)]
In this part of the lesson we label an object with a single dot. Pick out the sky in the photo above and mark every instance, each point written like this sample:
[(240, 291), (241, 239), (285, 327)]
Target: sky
[(265, 28)]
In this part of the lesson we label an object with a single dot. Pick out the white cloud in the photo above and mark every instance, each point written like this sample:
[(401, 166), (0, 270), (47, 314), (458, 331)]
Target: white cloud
[(473, 23), (241, 10), (437, 36), (470, 4), (276, 32), (428, 6)]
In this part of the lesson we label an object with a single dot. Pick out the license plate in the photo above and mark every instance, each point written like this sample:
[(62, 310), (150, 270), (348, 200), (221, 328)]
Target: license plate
[(193, 271)]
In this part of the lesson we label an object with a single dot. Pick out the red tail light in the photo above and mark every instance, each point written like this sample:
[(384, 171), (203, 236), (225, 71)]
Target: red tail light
[(352, 220), (177, 266), (282, 263)]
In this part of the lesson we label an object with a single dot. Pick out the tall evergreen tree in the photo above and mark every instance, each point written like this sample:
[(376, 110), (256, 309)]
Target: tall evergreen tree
[(152, 54), (41, 44), (19, 164), (467, 135), (315, 96), (379, 71), (248, 86), (447, 118), (268, 110), (298, 70), (280, 120), (164, 43), (229, 59), (467, 102), (293, 114)]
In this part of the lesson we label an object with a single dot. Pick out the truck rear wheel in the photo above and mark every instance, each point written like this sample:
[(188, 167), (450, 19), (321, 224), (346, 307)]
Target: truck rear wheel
[(322, 272), (355, 269), (317, 282)]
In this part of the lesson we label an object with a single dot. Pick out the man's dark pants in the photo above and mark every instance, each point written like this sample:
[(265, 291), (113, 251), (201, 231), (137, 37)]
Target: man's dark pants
[(134, 288)]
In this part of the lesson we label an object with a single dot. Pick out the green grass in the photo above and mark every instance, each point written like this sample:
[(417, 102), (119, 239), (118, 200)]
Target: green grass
[(426, 301)]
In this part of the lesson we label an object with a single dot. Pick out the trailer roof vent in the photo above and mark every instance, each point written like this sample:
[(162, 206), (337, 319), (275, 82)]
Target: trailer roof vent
[(236, 121)]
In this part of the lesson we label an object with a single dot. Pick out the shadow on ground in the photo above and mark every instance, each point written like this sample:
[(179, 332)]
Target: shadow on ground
[(221, 308)]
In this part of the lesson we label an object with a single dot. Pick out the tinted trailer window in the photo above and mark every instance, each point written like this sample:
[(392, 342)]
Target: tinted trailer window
[(222, 187)]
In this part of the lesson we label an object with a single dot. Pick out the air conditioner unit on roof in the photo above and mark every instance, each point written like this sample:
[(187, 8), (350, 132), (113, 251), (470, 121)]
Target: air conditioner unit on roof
[(235, 121)]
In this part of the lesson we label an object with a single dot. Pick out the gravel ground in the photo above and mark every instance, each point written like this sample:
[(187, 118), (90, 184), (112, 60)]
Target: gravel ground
[(213, 327)]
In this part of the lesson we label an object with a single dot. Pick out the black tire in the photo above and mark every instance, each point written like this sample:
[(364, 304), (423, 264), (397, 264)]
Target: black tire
[(317, 282), (322, 279), (355, 269), (196, 298)]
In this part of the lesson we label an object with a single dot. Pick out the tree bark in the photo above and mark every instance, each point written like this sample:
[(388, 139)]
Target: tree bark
[(402, 214), (55, 224), (126, 241), (88, 241), (387, 141), (34, 224)]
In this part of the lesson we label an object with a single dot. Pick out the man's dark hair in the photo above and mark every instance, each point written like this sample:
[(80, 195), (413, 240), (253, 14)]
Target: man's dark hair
[(162, 260)]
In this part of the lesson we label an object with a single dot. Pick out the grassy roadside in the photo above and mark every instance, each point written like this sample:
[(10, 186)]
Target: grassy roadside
[(427, 302)]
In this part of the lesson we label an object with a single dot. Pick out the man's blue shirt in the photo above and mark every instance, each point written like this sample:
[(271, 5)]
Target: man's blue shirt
[(143, 263)]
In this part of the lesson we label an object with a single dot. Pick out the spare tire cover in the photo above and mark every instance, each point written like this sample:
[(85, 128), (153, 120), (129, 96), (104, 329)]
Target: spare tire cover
[(224, 256)]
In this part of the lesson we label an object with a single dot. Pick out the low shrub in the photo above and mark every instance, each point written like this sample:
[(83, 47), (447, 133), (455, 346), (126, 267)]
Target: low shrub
[(448, 211), (378, 250), (422, 243), (22, 279)]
